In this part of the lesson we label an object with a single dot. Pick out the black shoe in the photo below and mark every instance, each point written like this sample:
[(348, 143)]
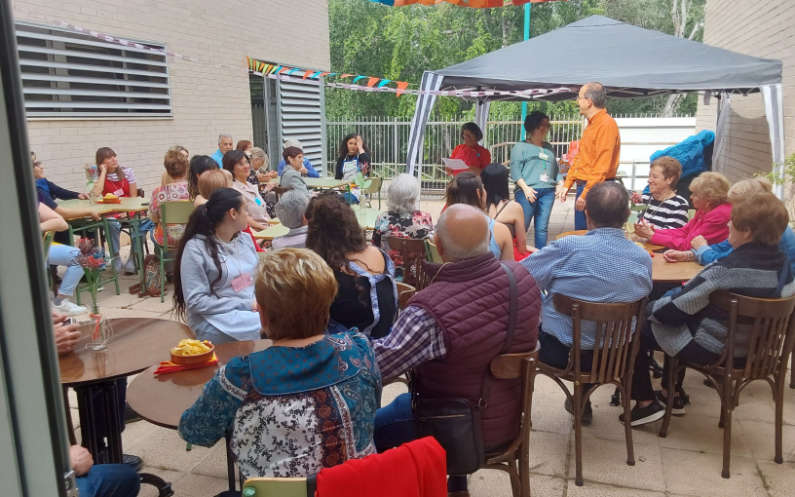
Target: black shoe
[(587, 415), (643, 415), (680, 401), (131, 460), (615, 400), (130, 416)]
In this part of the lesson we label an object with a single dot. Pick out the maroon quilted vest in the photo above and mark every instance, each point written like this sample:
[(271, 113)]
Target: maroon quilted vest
[(469, 301)]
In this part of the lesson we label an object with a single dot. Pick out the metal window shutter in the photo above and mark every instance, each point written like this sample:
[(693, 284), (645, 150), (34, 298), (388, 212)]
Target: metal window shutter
[(69, 74), (302, 117)]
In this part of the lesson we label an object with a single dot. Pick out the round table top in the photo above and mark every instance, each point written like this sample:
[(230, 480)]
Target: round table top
[(127, 204), (161, 400), (135, 344)]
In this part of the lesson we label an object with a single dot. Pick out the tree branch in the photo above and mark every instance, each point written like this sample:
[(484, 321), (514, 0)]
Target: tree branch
[(696, 28)]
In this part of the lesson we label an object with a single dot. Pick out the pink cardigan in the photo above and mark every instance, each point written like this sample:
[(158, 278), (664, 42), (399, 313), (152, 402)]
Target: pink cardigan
[(712, 225)]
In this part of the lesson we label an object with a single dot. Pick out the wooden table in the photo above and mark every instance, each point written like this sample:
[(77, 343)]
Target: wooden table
[(365, 215), (161, 400), (128, 204), (134, 345), (661, 271)]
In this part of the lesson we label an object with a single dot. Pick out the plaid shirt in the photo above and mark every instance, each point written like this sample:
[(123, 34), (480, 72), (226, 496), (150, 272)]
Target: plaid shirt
[(415, 338)]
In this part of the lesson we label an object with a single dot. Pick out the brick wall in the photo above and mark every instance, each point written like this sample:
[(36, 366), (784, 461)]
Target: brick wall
[(762, 28), (206, 99)]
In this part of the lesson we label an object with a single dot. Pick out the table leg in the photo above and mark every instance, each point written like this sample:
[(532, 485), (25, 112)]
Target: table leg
[(88, 417), (230, 462)]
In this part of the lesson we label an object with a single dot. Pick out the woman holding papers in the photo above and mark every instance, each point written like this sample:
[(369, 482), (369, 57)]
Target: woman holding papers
[(475, 156)]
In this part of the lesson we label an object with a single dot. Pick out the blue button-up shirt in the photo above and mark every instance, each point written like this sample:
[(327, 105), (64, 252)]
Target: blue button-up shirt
[(311, 172), (218, 157), (601, 266)]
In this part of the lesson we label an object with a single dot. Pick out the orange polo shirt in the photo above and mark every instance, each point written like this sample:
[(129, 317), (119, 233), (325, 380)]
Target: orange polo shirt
[(597, 159)]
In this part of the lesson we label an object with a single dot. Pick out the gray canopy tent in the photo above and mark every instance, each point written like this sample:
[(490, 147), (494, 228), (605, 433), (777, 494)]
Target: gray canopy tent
[(629, 61)]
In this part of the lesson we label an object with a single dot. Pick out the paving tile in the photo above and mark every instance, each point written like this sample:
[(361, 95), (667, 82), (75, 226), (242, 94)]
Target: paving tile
[(214, 463), (693, 473), (495, 483), (548, 413), (605, 461), (701, 434), (391, 391), (192, 485), (549, 453), (759, 437), (779, 479), (168, 476), (153, 304), (161, 447), (591, 489)]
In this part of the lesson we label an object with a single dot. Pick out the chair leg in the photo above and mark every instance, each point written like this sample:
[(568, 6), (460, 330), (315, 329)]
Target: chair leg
[(669, 405), (779, 400), (792, 370), (726, 415), (578, 434), (628, 426), (524, 468), (513, 473)]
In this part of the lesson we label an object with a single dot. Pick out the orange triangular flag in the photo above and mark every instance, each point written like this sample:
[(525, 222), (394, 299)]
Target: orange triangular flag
[(401, 86), (372, 81)]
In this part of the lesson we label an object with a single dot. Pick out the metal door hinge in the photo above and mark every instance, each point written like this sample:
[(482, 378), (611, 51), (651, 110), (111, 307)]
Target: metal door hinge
[(70, 484)]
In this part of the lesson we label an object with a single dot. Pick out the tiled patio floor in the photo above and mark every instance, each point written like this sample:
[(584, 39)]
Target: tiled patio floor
[(686, 463)]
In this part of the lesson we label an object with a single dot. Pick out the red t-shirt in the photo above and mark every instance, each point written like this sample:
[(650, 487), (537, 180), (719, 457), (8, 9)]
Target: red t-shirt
[(477, 157)]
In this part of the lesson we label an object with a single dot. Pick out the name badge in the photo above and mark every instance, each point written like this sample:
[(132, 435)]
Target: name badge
[(119, 192), (241, 282), (544, 177), (258, 201), (543, 156)]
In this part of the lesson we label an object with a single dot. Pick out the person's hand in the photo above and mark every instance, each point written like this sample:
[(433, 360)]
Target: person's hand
[(561, 192), (678, 255), (66, 336), (82, 196), (303, 171), (262, 177), (698, 242), (636, 198), (103, 168), (272, 174), (80, 459), (643, 230), (530, 194), (95, 216), (57, 317), (360, 144), (580, 204)]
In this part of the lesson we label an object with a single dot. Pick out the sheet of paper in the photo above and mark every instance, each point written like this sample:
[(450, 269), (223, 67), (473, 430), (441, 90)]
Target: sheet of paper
[(455, 164)]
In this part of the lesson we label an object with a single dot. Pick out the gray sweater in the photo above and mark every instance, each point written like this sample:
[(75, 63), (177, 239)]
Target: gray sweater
[(292, 179)]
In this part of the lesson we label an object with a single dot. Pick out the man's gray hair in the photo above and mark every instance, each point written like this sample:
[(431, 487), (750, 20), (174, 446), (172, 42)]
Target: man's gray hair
[(453, 251), (596, 93), (291, 208), (402, 194), (222, 136)]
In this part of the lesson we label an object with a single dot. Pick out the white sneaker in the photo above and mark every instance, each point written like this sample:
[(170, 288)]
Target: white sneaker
[(129, 266), (69, 308)]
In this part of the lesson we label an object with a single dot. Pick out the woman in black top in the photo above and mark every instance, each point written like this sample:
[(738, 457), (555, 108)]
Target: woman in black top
[(353, 158), (366, 295)]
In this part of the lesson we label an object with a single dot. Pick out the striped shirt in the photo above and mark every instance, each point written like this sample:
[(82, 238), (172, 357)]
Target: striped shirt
[(415, 338), (601, 266), (661, 215)]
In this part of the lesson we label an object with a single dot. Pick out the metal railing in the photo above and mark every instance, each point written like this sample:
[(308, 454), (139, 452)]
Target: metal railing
[(387, 140)]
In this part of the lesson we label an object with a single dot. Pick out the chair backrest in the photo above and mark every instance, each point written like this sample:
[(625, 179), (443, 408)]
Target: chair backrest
[(174, 212), (432, 252), (520, 365), (615, 339), (770, 331), (413, 254), (375, 185), (405, 292), (46, 241), (275, 487)]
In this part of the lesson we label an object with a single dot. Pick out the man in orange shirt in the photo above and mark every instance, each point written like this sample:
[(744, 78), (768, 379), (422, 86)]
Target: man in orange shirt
[(597, 159)]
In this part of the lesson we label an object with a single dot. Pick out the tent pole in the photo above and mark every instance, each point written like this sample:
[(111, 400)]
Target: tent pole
[(527, 7)]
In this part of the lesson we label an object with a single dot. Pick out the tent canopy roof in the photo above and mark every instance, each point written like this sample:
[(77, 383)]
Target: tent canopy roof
[(629, 61)]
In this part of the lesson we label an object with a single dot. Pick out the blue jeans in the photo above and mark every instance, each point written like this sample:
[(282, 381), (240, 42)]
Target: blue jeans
[(540, 210), (66, 255), (579, 216), (394, 424), (109, 480)]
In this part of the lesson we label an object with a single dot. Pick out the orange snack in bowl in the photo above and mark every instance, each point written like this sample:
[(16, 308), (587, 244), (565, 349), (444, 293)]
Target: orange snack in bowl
[(191, 351)]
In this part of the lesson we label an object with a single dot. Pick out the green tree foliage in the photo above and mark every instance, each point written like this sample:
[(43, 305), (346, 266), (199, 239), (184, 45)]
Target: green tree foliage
[(400, 43)]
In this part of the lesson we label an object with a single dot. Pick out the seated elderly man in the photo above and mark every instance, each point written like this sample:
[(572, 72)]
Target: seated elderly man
[(452, 329), (601, 266), (683, 323), (290, 210)]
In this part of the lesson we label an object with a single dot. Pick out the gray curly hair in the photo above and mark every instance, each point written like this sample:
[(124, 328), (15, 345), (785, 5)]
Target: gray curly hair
[(402, 194)]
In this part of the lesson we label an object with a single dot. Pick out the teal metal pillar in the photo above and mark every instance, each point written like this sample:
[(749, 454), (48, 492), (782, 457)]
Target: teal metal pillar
[(527, 7)]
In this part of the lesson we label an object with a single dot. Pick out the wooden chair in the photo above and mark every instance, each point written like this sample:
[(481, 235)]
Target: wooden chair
[(405, 292), (413, 254), (792, 371), (770, 341), (278, 487), (616, 345), (174, 212), (432, 252), (374, 188), (515, 460)]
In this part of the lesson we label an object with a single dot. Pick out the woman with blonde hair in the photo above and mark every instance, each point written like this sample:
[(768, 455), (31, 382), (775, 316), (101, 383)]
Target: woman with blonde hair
[(705, 253), (307, 401), (709, 194)]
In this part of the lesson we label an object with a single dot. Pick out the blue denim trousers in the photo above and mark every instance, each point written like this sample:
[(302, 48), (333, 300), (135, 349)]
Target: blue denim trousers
[(109, 480), (540, 210), (579, 216)]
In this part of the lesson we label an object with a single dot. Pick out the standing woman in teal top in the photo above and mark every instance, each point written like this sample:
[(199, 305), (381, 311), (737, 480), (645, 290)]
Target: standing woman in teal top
[(535, 171)]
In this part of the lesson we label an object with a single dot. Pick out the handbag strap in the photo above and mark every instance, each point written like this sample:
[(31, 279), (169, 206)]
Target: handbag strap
[(506, 345)]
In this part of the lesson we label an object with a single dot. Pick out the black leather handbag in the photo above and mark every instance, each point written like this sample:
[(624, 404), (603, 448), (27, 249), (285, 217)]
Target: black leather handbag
[(455, 422)]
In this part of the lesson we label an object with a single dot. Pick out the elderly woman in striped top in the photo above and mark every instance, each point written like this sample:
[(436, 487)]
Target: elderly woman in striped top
[(664, 209)]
